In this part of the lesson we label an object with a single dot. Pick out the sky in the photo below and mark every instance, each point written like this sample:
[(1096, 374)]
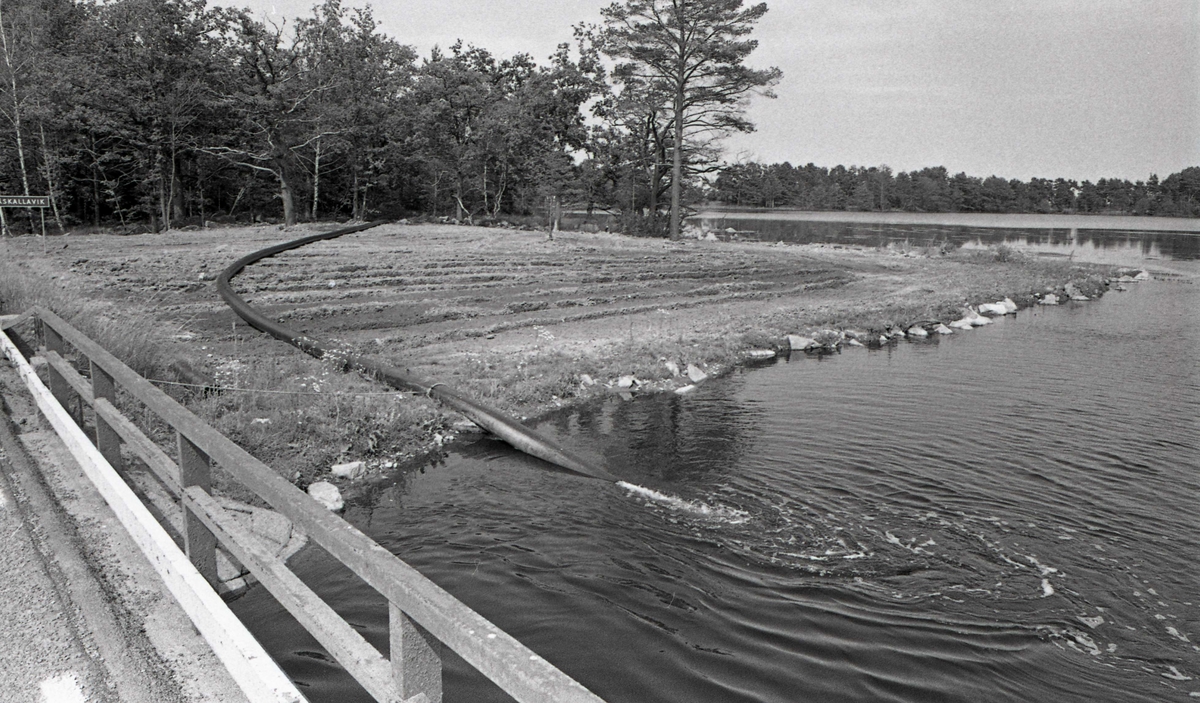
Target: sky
[(1081, 89)]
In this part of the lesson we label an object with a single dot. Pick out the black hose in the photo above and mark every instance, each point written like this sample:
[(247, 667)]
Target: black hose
[(492, 420)]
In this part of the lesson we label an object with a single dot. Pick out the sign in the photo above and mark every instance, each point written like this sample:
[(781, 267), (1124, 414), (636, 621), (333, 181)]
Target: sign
[(24, 201)]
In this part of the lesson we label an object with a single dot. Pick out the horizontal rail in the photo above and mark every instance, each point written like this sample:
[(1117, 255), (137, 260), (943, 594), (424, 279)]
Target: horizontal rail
[(518, 671), (254, 671), (163, 466), (358, 656)]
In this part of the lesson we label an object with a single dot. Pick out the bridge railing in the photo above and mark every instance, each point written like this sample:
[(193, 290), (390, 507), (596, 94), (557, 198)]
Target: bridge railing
[(423, 618)]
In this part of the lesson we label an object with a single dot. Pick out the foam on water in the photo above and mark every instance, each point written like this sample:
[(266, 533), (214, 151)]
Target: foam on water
[(725, 514)]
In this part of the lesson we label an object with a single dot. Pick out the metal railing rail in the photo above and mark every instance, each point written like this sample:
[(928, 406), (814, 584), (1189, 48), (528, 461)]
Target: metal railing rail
[(422, 616)]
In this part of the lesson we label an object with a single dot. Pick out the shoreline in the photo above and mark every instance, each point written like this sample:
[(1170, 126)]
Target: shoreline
[(529, 325), (1178, 225)]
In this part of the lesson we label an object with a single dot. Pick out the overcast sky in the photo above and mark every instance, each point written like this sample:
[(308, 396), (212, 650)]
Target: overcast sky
[(1017, 88)]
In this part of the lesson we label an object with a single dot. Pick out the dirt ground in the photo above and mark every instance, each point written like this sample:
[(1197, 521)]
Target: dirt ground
[(517, 319)]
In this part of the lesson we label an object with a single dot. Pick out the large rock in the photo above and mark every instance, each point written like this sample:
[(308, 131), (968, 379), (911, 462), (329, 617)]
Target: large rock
[(626, 382), (976, 319), (942, 329), (963, 324), (350, 470), (1009, 305), (327, 494), (694, 373), (993, 308), (917, 331), (761, 354), (1142, 276), (1048, 299), (798, 343), (672, 367)]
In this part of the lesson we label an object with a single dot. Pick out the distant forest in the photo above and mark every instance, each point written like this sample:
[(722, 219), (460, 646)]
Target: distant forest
[(149, 115), (935, 190)]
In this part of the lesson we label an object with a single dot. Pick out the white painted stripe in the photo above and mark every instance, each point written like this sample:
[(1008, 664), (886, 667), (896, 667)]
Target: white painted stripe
[(259, 677), (63, 688)]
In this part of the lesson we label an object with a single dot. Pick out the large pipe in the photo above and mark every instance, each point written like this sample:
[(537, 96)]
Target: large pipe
[(490, 419)]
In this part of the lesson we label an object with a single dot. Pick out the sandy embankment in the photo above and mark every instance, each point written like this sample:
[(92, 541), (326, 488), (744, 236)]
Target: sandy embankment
[(510, 317)]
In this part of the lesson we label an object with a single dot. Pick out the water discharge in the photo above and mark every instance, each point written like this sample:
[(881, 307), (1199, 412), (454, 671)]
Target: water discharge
[(695, 507)]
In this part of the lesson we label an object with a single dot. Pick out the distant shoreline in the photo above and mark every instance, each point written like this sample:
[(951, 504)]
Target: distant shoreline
[(965, 219)]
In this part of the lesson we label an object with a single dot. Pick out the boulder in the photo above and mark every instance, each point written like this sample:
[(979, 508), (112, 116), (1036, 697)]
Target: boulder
[(798, 343), (1080, 297), (1142, 276), (684, 389), (993, 308), (672, 367), (694, 373), (854, 343), (761, 354), (586, 380), (626, 382), (963, 324), (327, 494), (976, 319), (916, 331), (942, 329), (710, 237), (1009, 305), (1048, 299), (350, 470)]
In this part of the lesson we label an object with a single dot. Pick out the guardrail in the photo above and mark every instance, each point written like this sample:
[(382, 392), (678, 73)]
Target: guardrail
[(422, 616)]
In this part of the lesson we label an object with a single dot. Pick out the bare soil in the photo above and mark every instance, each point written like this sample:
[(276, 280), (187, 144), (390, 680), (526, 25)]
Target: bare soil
[(515, 318)]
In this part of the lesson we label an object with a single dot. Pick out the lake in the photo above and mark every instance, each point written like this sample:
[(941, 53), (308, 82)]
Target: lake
[(1006, 514), (1099, 239)]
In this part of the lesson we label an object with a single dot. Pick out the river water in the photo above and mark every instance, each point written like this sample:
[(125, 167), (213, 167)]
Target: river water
[(1006, 514)]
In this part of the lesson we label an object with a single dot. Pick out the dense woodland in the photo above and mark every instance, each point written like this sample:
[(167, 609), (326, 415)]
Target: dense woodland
[(146, 115), (935, 190)]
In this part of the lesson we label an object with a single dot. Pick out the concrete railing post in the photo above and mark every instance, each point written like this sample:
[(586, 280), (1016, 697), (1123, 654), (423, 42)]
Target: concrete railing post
[(416, 657), (201, 546), (58, 384), (107, 439)]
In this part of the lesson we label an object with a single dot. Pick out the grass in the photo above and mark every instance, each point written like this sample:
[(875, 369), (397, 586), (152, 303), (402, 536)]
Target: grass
[(137, 340), (300, 416)]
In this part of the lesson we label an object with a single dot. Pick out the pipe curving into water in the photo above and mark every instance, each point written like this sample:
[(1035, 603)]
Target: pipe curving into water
[(490, 419)]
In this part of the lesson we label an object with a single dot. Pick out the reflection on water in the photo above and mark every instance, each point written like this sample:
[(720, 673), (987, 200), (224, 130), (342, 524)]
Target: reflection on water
[(1006, 514), (1118, 247)]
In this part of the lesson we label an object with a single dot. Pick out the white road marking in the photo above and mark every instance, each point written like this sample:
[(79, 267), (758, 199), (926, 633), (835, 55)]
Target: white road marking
[(62, 689)]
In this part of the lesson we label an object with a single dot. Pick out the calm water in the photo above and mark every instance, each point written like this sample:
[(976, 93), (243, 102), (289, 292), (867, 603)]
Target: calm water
[(1097, 245), (1006, 514)]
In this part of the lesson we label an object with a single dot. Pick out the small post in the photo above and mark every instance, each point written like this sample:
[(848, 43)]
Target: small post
[(416, 657), (58, 384), (107, 439), (201, 546)]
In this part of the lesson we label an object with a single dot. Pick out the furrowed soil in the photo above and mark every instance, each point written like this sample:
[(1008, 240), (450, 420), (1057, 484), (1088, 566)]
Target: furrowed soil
[(513, 318)]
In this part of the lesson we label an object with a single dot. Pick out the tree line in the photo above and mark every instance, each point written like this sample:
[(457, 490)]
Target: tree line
[(933, 189), (155, 114)]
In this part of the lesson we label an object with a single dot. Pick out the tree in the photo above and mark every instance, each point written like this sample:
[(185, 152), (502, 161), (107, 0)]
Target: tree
[(692, 52)]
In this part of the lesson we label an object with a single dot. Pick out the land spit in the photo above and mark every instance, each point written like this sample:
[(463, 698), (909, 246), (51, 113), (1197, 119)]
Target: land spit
[(513, 318)]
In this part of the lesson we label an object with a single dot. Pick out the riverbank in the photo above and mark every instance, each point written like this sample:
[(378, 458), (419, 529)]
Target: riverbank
[(523, 322)]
